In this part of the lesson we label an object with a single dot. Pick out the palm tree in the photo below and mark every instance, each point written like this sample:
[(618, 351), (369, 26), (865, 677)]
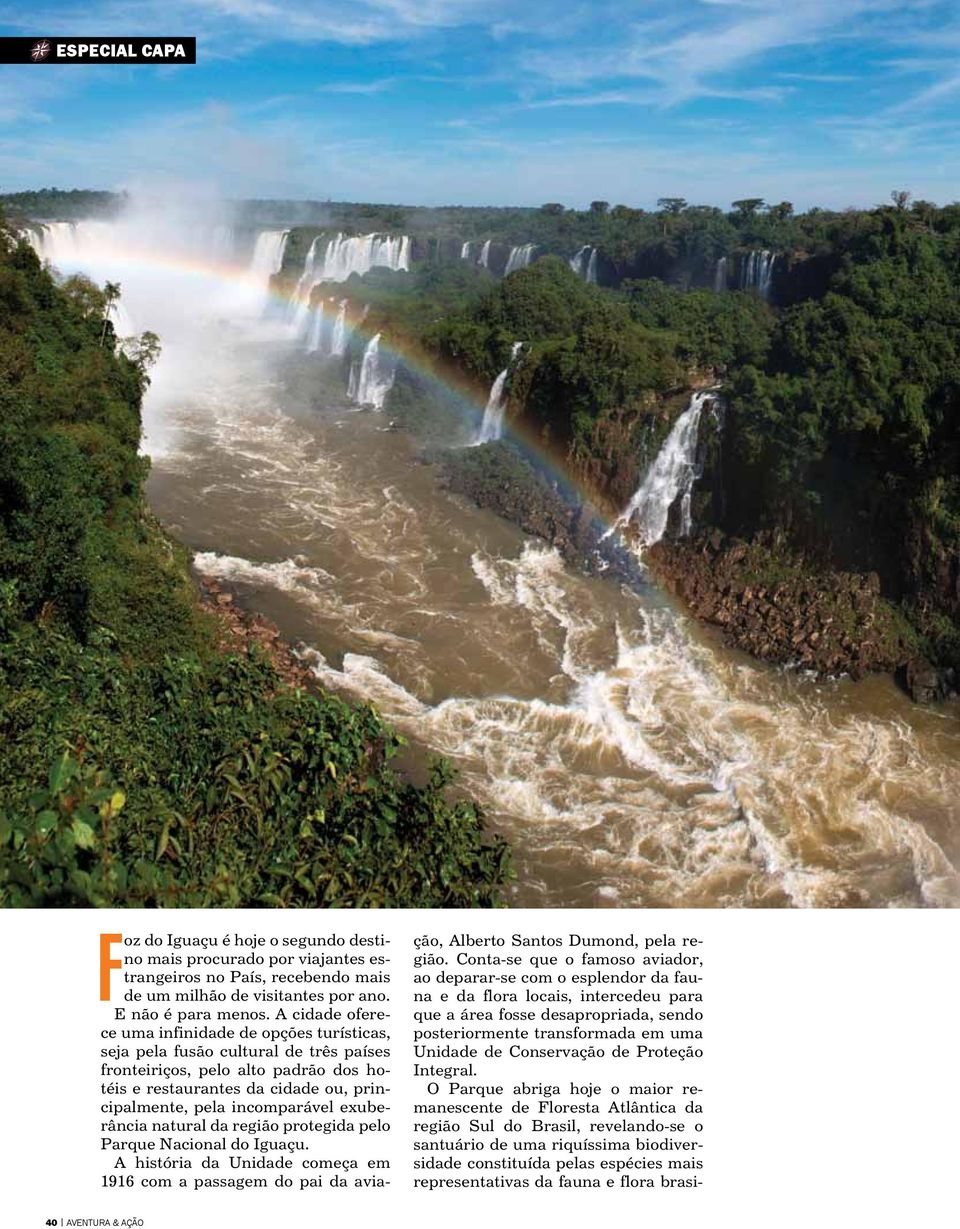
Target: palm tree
[(111, 295)]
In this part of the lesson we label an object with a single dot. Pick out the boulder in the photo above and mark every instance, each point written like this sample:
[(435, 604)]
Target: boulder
[(924, 683)]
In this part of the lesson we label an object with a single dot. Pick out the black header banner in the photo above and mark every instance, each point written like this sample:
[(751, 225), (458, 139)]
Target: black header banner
[(73, 49)]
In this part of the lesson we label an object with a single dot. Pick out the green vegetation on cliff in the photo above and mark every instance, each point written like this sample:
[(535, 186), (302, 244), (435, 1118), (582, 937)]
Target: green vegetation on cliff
[(58, 204), (841, 436), (847, 434), (842, 428), (141, 763)]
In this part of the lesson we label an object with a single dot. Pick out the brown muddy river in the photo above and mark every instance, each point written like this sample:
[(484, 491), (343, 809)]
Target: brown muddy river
[(630, 759)]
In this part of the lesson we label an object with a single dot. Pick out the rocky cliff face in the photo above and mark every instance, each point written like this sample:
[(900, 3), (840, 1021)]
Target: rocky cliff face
[(768, 599), (782, 608), (779, 607)]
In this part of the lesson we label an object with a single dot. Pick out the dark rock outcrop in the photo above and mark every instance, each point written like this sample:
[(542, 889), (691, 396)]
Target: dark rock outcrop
[(498, 476), (242, 630), (926, 683), (775, 606)]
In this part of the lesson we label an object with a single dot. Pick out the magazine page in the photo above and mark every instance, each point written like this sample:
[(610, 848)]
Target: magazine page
[(479, 612)]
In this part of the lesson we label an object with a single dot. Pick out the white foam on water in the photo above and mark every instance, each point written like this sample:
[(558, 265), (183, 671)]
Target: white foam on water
[(711, 766), (602, 735), (668, 773)]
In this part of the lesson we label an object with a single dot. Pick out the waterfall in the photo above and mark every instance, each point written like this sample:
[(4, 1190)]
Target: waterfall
[(520, 257), (765, 273), (672, 474), (345, 255), (465, 250), (121, 320), (338, 342), (720, 276), (484, 261), (307, 281), (746, 271), (316, 329), (491, 428), (267, 256), (58, 242), (756, 272), (374, 380), (584, 263), (33, 236), (301, 295), (69, 247), (337, 259)]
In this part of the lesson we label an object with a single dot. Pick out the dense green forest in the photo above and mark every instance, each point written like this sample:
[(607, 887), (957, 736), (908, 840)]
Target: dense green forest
[(678, 241), (840, 374), (142, 762), (58, 204), (842, 398)]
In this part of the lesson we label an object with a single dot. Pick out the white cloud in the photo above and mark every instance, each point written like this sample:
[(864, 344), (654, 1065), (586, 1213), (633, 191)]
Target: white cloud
[(358, 87), (350, 22), (696, 49), (253, 155), (542, 67), (932, 96)]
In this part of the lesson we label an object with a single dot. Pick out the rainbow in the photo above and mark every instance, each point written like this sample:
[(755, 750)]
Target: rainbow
[(449, 384)]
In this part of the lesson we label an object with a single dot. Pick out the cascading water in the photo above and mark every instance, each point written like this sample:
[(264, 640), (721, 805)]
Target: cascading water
[(765, 274), (720, 275), (345, 255), (336, 260), (121, 319), (584, 264), (316, 329), (70, 247), (491, 428), (301, 296), (629, 759), (179, 280), (672, 475), (756, 272), (465, 250), (61, 242), (484, 261), (338, 340), (267, 256), (520, 257), (374, 379)]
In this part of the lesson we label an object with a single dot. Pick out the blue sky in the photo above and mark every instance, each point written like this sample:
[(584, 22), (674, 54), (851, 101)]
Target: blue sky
[(828, 102)]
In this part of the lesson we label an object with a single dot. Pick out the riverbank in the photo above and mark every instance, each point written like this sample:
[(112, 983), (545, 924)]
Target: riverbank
[(767, 600), (240, 630), (780, 609), (664, 450), (152, 755), (628, 760)]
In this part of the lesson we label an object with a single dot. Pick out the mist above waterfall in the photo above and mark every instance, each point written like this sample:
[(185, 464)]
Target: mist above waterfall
[(477, 643), (181, 276)]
